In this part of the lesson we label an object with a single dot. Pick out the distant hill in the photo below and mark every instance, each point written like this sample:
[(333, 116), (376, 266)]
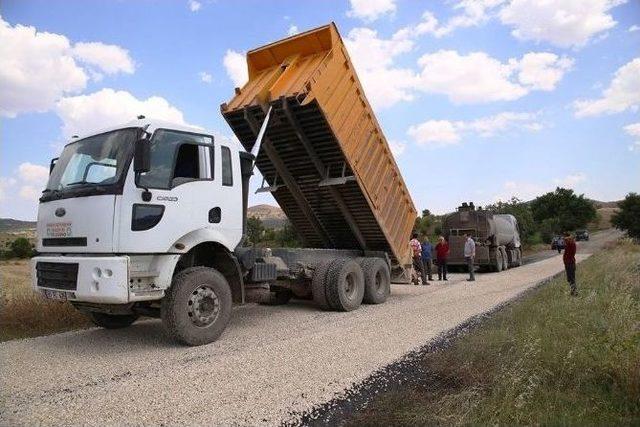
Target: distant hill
[(10, 225), (600, 204), (271, 216)]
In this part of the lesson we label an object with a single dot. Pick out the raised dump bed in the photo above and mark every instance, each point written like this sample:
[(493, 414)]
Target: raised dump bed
[(324, 157)]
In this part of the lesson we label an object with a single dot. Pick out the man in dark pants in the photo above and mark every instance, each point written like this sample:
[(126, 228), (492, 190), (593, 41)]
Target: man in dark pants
[(416, 249), (442, 252), (569, 259), (427, 248)]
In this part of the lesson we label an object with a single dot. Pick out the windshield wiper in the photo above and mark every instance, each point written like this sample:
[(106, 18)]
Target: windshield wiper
[(83, 182)]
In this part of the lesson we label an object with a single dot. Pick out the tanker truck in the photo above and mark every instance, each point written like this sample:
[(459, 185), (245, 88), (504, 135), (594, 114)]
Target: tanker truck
[(497, 237), (147, 218)]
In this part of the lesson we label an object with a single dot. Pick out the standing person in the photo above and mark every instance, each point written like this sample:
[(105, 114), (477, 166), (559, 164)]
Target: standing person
[(469, 255), (427, 248), (416, 249), (569, 259), (442, 252)]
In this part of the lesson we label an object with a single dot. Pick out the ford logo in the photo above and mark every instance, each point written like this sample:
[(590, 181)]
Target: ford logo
[(60, 212)]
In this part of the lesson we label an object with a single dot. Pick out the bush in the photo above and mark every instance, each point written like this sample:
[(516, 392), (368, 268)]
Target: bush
[(628, 217), (21, 248), (564, 206)]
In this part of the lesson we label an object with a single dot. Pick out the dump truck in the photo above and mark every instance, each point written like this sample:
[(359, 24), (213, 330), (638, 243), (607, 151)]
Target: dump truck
[(148, 218), (497, 237)]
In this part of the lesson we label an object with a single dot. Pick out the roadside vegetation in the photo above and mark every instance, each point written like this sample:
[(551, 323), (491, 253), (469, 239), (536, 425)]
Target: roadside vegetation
[(262, 236), (23, 313), (628, 217), (548, 359)]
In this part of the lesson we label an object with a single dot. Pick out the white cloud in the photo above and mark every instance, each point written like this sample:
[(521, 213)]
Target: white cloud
[(236, 66), (473, 13), (109, 58), (479, 78), (38, 68), (563, 23), (194, 5), (107, 107), (434, 133), (205, 77), (634, 28), (33, 174), (370, 10), (5, 185), (633, 129), (397, 147), (445, 132), (570, 181), (622, 94), (293, 30), (543, 70), (373, 58)]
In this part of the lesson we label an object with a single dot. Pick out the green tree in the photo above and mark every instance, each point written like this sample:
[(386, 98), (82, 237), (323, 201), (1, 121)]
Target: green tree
[(628, 217), (255, 230), (428, 225), (570, 210), (22, 248), (522, 212), (287, 236)]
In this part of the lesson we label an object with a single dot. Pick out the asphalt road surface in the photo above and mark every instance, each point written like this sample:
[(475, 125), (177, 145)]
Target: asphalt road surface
[(270, 362)]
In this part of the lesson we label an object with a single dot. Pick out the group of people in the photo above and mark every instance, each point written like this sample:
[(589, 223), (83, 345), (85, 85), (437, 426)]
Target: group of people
[(423, 257)]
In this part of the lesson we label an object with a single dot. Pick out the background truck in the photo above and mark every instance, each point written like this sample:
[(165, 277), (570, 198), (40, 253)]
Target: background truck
[(497, 237), (148, 218)]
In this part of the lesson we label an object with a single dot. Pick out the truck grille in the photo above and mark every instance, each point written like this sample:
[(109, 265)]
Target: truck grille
[(57, 275)]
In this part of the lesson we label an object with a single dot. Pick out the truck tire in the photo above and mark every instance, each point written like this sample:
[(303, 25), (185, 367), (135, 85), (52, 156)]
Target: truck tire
[(319, 285), (498, 262), (196, 308), (112, 321), (505, 258), (345, 285), (519, 257), (377, 280)]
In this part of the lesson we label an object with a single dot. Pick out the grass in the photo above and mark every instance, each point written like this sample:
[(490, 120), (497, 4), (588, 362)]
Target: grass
[(23, 313), (547, 359)]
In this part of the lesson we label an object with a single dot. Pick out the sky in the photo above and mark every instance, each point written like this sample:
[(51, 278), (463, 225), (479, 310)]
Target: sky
[(480, 100)]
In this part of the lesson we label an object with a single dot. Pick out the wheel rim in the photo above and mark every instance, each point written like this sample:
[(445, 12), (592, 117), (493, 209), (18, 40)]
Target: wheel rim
[(350, 286), (203, 306)]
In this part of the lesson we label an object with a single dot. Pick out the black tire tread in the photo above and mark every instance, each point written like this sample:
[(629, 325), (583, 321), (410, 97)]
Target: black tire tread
[(171, 315), (333, 288), (318, 285), (370, 267)]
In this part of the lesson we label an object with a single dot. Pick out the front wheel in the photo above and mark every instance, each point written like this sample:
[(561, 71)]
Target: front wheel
[(197, 307), (112, 321)]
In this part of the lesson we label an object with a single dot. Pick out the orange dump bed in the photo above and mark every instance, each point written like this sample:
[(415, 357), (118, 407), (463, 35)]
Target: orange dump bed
[(324, 156)]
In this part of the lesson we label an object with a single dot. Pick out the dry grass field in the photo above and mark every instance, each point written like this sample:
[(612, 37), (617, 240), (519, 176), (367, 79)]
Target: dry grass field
[(23, 313)]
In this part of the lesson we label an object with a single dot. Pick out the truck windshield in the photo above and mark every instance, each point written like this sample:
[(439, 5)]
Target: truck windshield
[(96, 161)]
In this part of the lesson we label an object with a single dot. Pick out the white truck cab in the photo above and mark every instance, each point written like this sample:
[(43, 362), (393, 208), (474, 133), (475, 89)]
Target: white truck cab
[(111, 229)]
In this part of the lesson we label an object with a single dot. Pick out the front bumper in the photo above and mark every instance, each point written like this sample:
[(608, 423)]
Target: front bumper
[(97, 279)]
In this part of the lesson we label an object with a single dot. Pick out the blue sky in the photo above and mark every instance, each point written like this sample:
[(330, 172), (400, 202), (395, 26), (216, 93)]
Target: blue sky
[(481, 100)]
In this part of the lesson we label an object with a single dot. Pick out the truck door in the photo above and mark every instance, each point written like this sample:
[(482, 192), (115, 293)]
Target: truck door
[(186, 195)]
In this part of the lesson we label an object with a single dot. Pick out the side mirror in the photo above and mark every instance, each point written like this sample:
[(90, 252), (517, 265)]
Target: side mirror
[(52, 164), (142, 156)]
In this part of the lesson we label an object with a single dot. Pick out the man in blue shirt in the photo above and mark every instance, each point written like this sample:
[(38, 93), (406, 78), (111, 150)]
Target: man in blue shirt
[(427, 248)]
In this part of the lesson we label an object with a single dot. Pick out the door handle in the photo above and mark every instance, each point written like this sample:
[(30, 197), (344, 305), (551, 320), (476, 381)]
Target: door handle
[(215, 215)]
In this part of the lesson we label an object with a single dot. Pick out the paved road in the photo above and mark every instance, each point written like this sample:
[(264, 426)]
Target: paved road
[(270, 361)]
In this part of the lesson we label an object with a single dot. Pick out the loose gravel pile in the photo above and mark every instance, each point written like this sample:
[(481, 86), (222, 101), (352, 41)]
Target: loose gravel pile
[(271, 362)]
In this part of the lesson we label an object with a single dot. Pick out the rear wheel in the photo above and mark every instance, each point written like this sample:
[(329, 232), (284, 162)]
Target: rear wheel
[(345, 285), (498, 262), (112, 321), (319, 283), (519, 255), (377, 280), (197, 307), (505, 258)]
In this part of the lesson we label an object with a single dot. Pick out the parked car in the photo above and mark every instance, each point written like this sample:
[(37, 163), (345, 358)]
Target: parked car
[(557, 243), (582, 235)]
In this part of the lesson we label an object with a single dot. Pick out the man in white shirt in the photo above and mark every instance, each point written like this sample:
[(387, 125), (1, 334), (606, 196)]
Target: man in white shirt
[(469, 255)]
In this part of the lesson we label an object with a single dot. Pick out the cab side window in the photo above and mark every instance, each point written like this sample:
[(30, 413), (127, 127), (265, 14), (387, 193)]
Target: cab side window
[(175, 159), (227, 168)]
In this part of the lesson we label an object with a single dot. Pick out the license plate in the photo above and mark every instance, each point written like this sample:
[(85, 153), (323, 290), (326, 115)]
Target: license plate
[(55, 295)]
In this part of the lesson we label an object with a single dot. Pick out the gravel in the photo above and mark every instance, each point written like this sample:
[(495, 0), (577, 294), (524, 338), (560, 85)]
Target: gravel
[(271, 364)]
